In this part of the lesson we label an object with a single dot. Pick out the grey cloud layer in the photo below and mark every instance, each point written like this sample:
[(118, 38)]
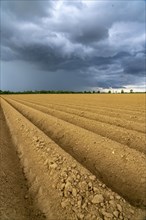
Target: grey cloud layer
[(98, 44)]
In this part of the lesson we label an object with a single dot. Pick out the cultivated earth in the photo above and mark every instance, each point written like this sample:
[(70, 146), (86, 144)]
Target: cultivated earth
[(71, 157)]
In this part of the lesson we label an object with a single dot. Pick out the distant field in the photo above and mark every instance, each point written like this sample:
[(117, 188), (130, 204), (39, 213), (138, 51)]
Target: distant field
[(82, 154)]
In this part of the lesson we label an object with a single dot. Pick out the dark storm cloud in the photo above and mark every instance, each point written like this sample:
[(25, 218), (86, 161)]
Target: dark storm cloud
[(95, 44), (135, 66), (89, 33), (27, 10)]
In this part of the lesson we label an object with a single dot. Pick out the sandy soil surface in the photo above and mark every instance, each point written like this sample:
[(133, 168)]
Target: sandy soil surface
[(131, 138), (15, 200), (115, 164), (74, 169), (93, 113)]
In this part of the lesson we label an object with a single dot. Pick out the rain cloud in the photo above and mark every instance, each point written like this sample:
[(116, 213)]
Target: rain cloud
[(72, 45)]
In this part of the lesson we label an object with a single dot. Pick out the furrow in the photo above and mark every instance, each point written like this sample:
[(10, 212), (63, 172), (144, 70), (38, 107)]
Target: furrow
[(120, 109), (131, 116), (130, 138), (130, 109), (107, 112), (130, 125), (115, 164), (126, 102), (140, 118), (62, 188), (99, 107)]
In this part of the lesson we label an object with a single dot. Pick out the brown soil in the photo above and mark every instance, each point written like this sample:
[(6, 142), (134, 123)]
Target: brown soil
[(94, 114), (130, 115), (130, 104), (131, 138), (70, 160), (115, 164), (15, 200)]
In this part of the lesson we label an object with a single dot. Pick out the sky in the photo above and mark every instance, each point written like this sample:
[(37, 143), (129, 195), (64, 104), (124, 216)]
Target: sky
[(73, 45)]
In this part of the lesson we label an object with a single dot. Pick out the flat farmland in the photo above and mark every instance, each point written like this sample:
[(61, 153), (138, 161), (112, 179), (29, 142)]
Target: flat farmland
[(83, 155)]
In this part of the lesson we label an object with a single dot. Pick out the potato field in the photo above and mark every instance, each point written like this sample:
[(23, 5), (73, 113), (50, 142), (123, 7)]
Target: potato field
[(82, 155)]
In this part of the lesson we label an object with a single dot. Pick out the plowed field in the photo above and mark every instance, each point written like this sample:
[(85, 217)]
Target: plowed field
[(83, 156)]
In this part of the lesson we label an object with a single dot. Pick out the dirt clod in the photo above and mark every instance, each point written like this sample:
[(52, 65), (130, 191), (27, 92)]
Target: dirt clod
[(97, 199)]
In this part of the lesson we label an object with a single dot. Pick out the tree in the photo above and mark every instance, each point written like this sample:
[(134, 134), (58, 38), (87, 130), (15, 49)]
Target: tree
[(98, 91), (131, 90), (109, 91), (122, 91)]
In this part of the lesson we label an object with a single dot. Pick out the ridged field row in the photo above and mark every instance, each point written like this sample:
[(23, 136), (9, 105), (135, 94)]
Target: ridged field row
[(130, 114), (57, 181), (121, 104), (91, 113), (124, 136), (118, 166)]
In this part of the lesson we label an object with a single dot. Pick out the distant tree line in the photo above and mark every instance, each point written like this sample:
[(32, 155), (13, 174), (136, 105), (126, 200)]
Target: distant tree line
[(48, 92), (60, 92), (122, 91)]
